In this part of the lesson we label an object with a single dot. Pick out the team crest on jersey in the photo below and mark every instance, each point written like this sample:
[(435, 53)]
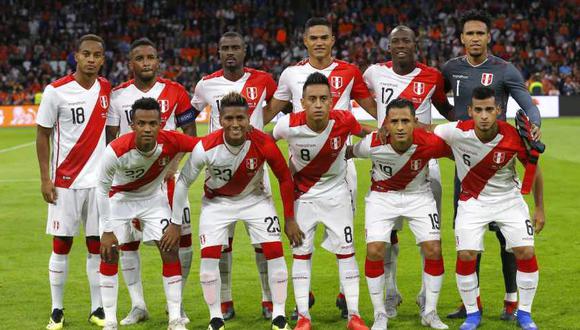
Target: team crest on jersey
[(163, 161), (336, 82), (251, 163), (252, 92), (104, 101), (164, 105), (498, 157), (335, 143), (416, 165), (486, 79), (419, 88)]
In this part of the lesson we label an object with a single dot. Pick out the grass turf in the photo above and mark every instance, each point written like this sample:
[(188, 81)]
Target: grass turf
[(25, 248)]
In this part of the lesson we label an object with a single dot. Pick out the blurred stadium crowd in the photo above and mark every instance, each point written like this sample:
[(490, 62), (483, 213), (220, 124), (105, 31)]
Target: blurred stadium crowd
[(542, 38)]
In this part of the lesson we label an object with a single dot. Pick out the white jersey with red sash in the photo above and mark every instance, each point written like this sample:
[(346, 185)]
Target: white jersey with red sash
[(407, 172), (317, 160), (172, 97), (345, 79), (77, 116), (486, 170), (256, 86)]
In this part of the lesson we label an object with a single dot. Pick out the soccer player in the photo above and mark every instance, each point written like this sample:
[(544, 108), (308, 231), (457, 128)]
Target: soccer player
[(130, 177), (234, 156), (401, 189), (485, 150), (72, 114), (176, 111), (462, 75), (317, 140), (404, 77), (257, 87), (346, 83)]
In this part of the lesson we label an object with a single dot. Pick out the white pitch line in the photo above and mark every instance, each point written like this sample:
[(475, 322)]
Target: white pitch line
[(20, 146)]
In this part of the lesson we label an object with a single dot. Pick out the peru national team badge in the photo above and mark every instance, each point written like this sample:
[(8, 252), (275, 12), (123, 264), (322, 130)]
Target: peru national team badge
[(498, 157), (164, 105), (104, 101), (419, 88), (164, 161), (251, 163), (416, 165), (486, 79), (336, 82), (335, 143), (252, 92)]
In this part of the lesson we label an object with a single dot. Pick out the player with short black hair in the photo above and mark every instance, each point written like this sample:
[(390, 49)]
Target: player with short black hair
[(176, 111), (462, 75), (71, 122)]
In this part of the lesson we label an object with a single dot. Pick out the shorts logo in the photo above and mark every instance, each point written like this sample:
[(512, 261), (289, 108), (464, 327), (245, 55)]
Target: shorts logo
[(486, 79), (104, 101), (164, 161), (335, 143), (336, 82), (251, 163), (55, 225), (252, 92), (498, 157), (164, 105), (416, 165), (419, 88), (202, 239)]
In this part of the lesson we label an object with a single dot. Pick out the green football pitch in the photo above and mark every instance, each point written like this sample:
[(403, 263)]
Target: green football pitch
[(25, 249)]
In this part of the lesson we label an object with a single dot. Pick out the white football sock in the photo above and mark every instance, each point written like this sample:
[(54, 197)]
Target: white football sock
[(376, 290), (467, 286), (527, 286), (301, 273), (109, 291), (225, 269), (209, 274), (185, 255), (391, 256), (422, 292), (349, 278), (130, 263), (278, 281), (172, 288), (432, 289), (511, 296), (57, 274), (93, 263), (262, 265)]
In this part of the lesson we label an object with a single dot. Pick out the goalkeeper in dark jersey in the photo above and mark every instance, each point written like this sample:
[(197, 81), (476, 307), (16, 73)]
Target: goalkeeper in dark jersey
[(462, 75)]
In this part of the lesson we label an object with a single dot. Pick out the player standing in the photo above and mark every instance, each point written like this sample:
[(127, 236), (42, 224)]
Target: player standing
[(234, 157), (462, 75), (257, 87), (176, 112), (130, 177), (403, 77), (485, 150), (401, 189), (317, 140), (72, 114), (346, 83)]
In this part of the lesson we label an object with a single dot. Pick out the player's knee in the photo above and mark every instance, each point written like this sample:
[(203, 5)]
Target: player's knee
[(467, 255), (211, 252), (272, 250), (185, 241), (93, 244), (169, 257), (524, 252), (61, 244), (431, 249), (376, 251)]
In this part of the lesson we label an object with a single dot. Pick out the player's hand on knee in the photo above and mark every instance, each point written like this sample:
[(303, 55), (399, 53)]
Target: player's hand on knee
[(293, 232), (48, 191), (170, 238), (109, 247), (539, 219)]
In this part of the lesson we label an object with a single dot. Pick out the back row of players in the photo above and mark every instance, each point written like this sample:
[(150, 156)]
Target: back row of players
[(75, 110)]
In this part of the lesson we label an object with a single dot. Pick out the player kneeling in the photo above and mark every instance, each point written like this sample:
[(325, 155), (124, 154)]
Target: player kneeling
[(485, 150), (132, 170), (234, 157), (400, 189)]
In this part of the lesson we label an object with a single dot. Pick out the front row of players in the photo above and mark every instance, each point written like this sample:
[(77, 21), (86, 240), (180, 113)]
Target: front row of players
[(313, 191)]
